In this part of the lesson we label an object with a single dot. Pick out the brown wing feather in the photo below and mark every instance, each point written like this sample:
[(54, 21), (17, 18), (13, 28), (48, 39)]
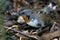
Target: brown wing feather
[(26, 19)]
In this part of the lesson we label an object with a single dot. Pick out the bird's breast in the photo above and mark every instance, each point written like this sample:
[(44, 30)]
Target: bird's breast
[(33, 23)]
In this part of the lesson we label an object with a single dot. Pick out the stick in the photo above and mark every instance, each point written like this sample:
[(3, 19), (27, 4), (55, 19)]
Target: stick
[(22, 33)]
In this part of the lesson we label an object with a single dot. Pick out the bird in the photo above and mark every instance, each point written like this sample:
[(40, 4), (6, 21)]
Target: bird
[(51, 7), (35, 20)]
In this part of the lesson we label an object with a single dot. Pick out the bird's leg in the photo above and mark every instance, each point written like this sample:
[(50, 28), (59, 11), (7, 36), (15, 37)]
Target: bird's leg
[(37, 31), (52, 28)]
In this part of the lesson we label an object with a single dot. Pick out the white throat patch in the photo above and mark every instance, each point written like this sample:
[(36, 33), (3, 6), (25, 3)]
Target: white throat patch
[(20, 20)]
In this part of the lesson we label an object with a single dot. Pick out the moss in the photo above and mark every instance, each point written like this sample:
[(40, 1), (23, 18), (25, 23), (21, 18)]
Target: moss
[(2, 4), (2, 31)]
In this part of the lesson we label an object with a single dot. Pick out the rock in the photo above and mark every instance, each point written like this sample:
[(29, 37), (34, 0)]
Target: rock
[(8, 23), (5, 17), (51, 35)]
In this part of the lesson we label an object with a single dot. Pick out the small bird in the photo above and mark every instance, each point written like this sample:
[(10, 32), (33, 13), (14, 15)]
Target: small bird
[(51, 7), (35, 20)]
